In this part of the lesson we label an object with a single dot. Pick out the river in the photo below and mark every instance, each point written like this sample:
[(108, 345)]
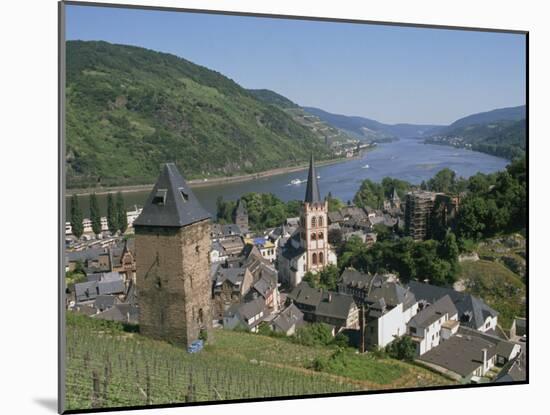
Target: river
[(407, 159)]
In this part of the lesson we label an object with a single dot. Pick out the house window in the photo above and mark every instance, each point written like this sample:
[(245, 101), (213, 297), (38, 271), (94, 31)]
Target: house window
[(314, 259), (412, 330)]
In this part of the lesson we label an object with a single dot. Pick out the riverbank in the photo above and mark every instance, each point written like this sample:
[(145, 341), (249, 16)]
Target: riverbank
[(201, 183)]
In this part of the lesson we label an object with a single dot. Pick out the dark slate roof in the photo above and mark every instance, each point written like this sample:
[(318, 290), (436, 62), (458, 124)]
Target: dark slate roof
[(171, 202), (252, 308), (110, 287), (287, 318), (312, 189), (514, 370), (461, 354), (103, 302), (472, 311), (86, 291), (304, 294), (355, 278), (266, 284), (521, 326), (124, 313), (335, 305), (233, 275), (432, 313), (393, 294), (290, 252), (85, 255)]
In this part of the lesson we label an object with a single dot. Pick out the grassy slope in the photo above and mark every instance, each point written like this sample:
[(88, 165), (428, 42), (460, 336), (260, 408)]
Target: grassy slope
[(130, 109), (239, 365), (498, 286)]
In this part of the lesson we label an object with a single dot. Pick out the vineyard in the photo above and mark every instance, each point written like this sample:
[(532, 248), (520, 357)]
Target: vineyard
[(108, 366)]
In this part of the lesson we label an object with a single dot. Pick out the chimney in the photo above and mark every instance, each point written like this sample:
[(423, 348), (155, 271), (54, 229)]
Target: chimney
[(484, 360)]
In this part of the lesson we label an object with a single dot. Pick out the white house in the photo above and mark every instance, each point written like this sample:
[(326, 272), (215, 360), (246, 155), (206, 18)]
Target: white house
[(426, 328)]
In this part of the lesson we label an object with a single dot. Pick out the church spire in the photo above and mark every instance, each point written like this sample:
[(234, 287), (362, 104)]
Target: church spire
[(312, 189)]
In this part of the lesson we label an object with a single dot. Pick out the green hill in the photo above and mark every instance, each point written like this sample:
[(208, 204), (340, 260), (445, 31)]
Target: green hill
[(130, 109), (506, 138)]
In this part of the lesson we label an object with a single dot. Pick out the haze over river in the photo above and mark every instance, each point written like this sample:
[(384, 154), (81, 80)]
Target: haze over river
[(407, 159)]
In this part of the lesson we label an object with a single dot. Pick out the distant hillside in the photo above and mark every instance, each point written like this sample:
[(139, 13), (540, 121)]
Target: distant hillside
[(130, 109), (325, 131), (371, 130), (505, 138), (501, 114)]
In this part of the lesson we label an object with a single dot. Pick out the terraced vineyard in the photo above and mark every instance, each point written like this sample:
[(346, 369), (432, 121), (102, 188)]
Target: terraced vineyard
[(110, 367)]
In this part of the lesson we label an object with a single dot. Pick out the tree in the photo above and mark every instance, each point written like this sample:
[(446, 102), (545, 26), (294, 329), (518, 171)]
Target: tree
[(370, 194), (335, 237), (76, 217), (112, 218), (402, 348), (334, 204), (95, 215), (443, 181), (121, 215)]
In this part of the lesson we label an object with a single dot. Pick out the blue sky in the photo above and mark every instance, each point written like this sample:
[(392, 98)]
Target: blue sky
[(388, 73)]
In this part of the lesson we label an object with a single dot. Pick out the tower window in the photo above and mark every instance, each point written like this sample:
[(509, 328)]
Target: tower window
[(321, 235), (313, 222), (314, 259), (313, 236), (320, 221), (321, 258)]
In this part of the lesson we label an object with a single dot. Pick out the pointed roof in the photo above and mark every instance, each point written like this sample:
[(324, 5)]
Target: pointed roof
[(171, 202), (241, 208), (395, 196), (312, 189)]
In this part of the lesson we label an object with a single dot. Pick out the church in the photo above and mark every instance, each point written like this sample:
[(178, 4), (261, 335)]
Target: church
[(307, 249)]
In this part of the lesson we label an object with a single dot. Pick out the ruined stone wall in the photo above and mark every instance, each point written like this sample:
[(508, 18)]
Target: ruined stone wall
[(173, 282)]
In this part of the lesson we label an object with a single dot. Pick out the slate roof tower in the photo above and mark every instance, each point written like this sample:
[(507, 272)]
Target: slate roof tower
[(172, 262)]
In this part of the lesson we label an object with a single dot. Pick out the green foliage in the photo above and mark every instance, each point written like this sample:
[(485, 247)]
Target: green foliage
[(76, 217), (401, 187), (112, 216), (121, 217), (498, 286), (402, 348), (264, 329), (443, 181), (203, 335), (495, 203), (78, 274), (265, 210), (95, 215), (334, 204), (315, 334), (370, 194), (404, 257), (326, 278), (130, 109), (360, 367)]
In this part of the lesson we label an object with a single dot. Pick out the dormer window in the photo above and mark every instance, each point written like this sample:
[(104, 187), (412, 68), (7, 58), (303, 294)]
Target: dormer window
[(160, 197), (184, 195)]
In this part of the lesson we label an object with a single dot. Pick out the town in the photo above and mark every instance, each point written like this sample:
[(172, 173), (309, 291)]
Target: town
[(181, 276)]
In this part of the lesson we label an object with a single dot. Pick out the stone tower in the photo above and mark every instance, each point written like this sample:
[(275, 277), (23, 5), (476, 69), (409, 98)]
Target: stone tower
[(240, 215), (172, 262), (314, 226)]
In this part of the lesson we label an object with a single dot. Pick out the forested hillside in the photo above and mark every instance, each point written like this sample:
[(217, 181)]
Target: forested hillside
[(130, 109)]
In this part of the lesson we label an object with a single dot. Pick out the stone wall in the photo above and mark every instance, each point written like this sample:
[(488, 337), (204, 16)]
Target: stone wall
[(173, 282)]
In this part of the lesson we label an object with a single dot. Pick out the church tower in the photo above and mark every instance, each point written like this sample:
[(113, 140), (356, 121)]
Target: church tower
[(314, 226), (172, 262)]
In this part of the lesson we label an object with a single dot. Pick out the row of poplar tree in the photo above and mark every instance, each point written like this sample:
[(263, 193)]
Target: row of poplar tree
[(117, 219)]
